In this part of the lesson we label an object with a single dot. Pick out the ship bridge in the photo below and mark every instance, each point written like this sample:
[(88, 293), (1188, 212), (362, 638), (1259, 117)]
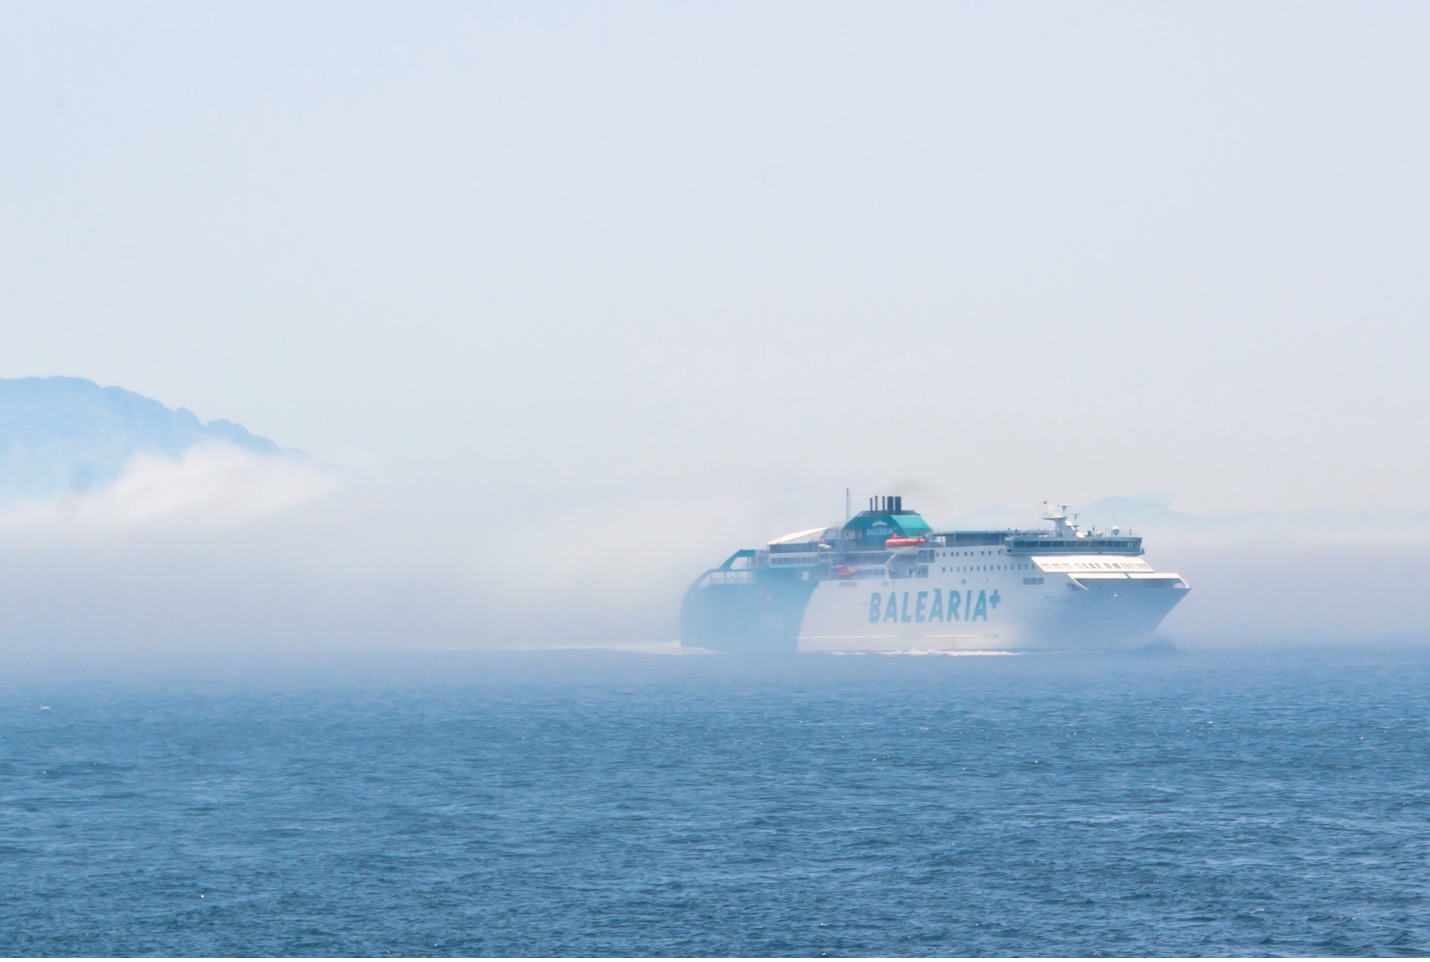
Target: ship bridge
[(1067, 538), (1042, 543)]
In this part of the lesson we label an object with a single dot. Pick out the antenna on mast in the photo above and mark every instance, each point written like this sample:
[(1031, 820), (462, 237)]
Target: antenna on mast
[(848, 511)]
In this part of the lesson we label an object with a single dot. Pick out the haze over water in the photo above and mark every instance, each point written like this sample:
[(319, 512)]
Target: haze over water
[(562, 304), (589, 803), (567, 302)]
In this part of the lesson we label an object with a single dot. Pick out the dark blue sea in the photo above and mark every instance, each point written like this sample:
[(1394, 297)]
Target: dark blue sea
[(1233, 802)]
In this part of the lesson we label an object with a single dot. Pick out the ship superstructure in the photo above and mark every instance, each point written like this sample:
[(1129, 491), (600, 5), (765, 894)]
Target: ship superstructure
[(886, 581)]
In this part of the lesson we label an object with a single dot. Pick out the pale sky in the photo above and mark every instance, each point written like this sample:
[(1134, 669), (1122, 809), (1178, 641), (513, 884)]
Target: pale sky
[(644, 262)]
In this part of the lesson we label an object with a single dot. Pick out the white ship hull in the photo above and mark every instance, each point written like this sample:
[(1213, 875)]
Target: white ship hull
[(892, 616)]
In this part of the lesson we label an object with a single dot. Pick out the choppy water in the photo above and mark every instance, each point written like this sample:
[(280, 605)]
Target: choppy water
[(577, 803)]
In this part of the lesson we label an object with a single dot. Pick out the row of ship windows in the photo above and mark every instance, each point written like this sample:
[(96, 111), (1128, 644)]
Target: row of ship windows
[(804, 560), (986, 568), (1060, 566)]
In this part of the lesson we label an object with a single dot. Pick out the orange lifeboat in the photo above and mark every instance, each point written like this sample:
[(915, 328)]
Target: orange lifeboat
[(904, 545), (844, 571)]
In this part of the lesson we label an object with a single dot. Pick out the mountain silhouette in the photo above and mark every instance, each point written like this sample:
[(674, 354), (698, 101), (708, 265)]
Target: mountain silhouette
[(68, 434)]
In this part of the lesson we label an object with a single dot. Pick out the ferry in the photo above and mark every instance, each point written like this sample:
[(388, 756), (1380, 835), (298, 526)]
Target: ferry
[(885, 581)]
